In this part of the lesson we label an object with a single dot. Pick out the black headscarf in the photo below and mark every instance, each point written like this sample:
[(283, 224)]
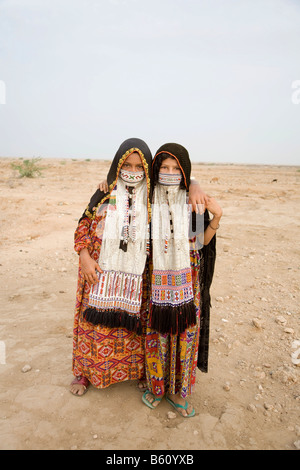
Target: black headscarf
[(207, 252), (126, 148), (181, 155)]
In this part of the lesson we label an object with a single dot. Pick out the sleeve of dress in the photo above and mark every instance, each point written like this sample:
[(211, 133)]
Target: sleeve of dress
[(82, 237)]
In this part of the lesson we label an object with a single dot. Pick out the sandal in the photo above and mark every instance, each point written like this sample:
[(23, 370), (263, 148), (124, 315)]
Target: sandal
[(80, 381), (148, 403), (176, 406)]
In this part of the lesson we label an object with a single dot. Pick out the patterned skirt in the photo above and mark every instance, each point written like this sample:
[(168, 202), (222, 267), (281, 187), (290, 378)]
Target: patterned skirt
[(171, 360), (105, 355)]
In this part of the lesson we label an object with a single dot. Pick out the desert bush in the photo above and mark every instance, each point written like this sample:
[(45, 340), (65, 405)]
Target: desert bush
[(28, 168)]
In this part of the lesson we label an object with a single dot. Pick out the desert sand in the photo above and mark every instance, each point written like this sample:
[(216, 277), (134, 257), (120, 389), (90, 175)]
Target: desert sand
[(250, 397)]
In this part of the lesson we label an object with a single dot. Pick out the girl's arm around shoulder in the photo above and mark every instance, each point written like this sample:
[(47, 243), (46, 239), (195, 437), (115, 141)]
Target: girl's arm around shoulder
[(214, 208), (197, 197)]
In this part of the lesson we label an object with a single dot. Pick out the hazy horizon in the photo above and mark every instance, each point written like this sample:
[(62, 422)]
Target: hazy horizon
[(78, 77), (195, 162)]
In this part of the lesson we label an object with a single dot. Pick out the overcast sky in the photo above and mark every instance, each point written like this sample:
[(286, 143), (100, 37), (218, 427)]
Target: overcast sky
[(77, 77)]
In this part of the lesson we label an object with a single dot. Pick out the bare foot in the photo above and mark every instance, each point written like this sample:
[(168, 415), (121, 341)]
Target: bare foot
[(142, 385)]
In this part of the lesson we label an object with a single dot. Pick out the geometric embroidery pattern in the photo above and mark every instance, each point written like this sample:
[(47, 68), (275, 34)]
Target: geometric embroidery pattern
[(172, 287), (117, 291), (104, 355), (171, 360)]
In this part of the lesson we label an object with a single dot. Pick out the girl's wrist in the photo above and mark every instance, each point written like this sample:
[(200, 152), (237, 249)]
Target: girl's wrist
[(84, 252)]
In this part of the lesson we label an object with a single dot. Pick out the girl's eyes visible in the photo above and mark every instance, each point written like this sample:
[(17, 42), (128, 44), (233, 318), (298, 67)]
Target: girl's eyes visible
[(165, 167), (127, 165)]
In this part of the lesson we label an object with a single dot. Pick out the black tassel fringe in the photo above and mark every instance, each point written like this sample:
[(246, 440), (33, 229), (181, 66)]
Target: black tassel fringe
[(113, 319), (172, 320)]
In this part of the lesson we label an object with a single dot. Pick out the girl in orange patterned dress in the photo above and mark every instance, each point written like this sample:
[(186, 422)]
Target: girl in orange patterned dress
[(112, 240)]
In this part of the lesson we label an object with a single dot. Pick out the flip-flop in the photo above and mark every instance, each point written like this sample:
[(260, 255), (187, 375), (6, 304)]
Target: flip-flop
[(148, 403), (176, 406), (80, 381)]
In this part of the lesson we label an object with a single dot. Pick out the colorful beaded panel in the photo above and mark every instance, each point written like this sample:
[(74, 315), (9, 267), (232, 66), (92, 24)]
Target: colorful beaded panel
[(117, 291), (172, 287)]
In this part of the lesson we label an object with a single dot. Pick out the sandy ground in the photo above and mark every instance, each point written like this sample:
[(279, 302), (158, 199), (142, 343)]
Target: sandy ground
[(250, 398)]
